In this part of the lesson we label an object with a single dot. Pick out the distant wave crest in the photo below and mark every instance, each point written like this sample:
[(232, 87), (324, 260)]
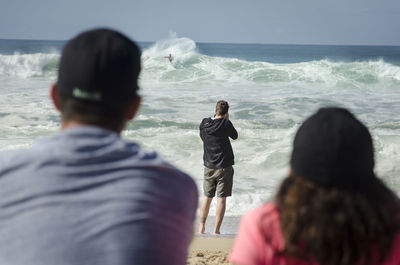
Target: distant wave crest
[(28, 65), (190, 66), (181, 49)]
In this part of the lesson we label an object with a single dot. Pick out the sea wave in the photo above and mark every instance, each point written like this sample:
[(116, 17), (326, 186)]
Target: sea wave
[(191, 67), (29, 65)]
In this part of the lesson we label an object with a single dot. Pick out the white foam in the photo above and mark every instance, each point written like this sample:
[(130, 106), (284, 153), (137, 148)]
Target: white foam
[(268, 103), (191, 67), (27, 65)]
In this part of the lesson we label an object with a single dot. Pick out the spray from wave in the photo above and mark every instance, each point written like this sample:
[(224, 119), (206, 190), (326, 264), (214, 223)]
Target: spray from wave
[(191, 67), (182, 50), (28, 65)]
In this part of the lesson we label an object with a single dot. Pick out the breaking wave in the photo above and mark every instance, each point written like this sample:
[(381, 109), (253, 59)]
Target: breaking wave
[(28, 65), (189, 66)]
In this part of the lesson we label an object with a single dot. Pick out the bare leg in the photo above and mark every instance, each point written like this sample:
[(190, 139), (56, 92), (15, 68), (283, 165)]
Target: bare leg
[(221, 205), (204, 209)]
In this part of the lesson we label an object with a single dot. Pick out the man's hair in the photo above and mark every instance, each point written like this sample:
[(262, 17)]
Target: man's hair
[(109, 116), (221, 108)]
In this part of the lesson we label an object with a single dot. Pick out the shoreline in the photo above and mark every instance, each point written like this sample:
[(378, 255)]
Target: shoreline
[(229, 227), (210, 249), (207, 249)]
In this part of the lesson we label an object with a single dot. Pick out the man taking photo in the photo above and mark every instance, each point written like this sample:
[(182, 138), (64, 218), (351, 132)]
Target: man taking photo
[(218, 160)]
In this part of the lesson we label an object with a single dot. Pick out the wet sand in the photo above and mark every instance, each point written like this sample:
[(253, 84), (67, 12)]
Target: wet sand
[(211, 250)]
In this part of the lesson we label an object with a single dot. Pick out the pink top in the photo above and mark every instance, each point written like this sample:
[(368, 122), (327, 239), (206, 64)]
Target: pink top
[(260, 238)]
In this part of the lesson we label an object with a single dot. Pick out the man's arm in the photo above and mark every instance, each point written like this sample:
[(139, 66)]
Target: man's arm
[(231, 129), (233, 133)]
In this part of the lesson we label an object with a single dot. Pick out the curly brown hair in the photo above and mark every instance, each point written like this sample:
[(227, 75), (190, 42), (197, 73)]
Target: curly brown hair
[(331, 226)]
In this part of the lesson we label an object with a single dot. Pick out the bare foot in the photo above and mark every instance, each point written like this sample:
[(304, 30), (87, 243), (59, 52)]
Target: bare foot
[(201, 228), (217, 233)]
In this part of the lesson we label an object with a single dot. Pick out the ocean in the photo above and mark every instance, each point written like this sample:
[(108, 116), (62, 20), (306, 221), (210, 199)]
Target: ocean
[(271, 89)]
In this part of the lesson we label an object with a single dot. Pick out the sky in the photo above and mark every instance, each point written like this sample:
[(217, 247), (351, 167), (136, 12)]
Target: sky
[(339, 22)]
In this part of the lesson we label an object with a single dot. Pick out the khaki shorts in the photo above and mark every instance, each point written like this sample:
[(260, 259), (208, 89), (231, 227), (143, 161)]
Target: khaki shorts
[(220, 180)]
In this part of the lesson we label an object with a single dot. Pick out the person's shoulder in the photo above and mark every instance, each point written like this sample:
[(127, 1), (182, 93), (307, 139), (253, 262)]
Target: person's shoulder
[(152, 160), (173, 181), (266, 218), (7, 156), (268, 210), (15, 160), (179, 175), (44, 148), (205, 120)]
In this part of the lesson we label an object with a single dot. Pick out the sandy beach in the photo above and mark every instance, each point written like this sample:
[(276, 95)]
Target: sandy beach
[(209, 250)]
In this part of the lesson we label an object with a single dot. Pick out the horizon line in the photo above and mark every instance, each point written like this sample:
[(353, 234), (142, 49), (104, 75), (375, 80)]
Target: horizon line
[(220, 42)]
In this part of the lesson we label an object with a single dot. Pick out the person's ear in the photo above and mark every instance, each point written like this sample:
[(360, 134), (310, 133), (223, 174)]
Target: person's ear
[(134, 107), (53, 96)]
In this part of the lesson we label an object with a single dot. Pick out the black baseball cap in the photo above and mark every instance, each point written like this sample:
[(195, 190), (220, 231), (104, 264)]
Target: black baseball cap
[(334, 149), (100, 65)]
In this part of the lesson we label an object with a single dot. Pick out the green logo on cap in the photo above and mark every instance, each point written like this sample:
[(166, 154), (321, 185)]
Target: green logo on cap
[(78, 93)]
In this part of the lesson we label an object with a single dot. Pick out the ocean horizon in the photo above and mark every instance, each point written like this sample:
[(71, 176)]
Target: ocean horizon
[(271, 89)]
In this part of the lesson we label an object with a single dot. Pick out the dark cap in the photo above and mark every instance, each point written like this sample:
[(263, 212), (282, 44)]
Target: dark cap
[(99, 65), (333, 149)]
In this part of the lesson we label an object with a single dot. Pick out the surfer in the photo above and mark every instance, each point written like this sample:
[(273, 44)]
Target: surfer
[(169, 58)]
